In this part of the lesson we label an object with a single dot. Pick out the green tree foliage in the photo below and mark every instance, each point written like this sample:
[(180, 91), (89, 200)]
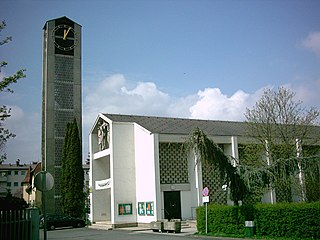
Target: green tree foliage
[(208, 152), (280, 126), (5, 134), (72, 176)]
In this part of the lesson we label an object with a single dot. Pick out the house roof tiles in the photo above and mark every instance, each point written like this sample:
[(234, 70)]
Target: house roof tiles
[(165, 125)]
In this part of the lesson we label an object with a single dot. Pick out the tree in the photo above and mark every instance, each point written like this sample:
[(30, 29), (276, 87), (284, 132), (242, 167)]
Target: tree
[(72, 177), (281, 127), (10, 202), (207, 152), (5, 134)]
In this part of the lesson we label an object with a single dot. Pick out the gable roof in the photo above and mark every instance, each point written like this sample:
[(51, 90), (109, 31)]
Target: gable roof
[(32, 171), (182, 126)]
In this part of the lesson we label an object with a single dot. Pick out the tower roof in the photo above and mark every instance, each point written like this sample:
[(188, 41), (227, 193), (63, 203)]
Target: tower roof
[(64, 19)]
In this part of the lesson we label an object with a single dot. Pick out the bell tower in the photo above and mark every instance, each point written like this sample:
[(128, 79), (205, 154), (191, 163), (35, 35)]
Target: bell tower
[(61, 96)]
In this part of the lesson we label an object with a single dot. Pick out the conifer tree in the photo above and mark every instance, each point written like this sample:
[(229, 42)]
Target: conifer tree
[(72, 178)]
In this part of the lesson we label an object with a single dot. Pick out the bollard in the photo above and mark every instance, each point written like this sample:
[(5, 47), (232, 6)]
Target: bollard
[(34, 212), (250, 229)]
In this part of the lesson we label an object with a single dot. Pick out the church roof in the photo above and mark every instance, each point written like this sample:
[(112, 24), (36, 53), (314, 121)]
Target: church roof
[(182, 126)]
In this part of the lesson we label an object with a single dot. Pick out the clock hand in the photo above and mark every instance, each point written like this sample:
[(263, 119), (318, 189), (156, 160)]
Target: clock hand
[(65, 33)]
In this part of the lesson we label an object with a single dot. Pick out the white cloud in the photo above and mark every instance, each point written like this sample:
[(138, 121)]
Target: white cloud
[(113, 95), (312, 42), (181, 107), (213, 104)]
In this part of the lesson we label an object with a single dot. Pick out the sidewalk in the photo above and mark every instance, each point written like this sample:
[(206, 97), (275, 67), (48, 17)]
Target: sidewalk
[(184, 231), (190, 232)]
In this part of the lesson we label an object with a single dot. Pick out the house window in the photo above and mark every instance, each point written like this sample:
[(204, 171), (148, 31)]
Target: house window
[(16, 172), (9, 172), (8, 184), (23, 172), (16, 184)]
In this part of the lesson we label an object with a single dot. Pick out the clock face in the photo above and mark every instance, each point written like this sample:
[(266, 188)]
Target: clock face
[(64, 37)]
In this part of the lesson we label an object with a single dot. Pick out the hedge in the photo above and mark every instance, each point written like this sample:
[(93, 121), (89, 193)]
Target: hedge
[(221, 219), (292, 220)]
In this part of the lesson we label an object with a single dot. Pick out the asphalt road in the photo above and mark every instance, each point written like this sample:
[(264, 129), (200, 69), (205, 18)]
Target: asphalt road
[(95, 234)]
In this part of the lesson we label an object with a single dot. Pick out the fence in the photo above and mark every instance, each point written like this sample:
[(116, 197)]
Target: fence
[(19, 224)]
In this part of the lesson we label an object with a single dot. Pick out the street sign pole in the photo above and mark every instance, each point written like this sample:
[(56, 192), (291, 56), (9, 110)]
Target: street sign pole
[(205, 198), (44, 182), (44, 185), (206, 218)]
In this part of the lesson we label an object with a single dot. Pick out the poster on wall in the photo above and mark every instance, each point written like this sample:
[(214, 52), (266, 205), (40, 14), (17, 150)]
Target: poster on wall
[(103, 184), (149, 208), (125, 209), (141, 208)]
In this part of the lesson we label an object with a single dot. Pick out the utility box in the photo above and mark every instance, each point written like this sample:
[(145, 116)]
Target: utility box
[(249, 228)]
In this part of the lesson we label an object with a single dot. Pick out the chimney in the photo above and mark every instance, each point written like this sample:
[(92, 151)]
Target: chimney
[(18, 162)]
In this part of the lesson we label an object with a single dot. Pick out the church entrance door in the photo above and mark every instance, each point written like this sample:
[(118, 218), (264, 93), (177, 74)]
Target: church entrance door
[(172, 205)]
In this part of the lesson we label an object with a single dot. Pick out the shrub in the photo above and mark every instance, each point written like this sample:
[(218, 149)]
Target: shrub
[(221, 219), (294, 220), (12, 203), (291, 220)]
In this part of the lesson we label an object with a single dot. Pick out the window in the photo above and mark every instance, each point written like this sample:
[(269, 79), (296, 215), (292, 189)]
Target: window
[(16, 184), (16, 172), (8, 184), (9, 172), (23, 172)]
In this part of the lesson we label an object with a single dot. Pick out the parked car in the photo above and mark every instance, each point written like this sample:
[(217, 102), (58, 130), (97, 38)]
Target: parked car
[(54, 221)]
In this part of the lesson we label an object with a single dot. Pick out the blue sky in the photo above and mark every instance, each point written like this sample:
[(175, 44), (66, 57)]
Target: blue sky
[(192, 58)]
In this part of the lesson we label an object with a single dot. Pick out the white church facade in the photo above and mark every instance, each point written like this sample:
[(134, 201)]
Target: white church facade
[(139, 172)]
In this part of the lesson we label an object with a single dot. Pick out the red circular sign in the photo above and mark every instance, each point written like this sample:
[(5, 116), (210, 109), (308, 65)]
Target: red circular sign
[(205, 192)]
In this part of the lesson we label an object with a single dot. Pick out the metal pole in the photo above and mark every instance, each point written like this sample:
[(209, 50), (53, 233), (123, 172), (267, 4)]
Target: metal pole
[(44, 182), (206, 218)]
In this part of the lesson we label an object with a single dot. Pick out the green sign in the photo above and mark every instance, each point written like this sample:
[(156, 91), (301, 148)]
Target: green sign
[(125, 209), (141, 208), (149, 208)]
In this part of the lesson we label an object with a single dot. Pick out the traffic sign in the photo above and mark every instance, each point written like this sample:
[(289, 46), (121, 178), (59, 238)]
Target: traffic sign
[(205, 199), (43, 181), (205, 192)]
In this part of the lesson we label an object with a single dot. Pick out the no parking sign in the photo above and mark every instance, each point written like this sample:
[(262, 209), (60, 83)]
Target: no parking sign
[(205, 195)]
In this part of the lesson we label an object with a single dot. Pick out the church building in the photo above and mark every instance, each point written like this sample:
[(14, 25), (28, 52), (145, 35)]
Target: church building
[(139, 172)]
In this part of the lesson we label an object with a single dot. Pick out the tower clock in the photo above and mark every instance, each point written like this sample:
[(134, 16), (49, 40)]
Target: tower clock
[(64, 37), (61, 96)]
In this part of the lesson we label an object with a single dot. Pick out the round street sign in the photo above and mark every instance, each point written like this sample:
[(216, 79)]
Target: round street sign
[(205, 192), (43, 181)]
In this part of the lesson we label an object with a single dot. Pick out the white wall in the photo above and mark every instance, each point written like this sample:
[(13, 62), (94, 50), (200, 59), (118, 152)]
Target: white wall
[(186, 204), (123, 171), (101, 200), (145, 171)]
